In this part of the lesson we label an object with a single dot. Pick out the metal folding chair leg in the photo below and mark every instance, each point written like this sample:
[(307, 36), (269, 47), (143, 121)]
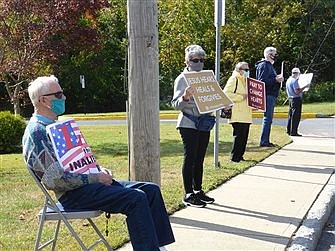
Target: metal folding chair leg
[(53, 211)]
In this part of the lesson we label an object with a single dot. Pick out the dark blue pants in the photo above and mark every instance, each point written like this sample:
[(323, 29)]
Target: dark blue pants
[(195, 146), (294, 115), (147, 220), (240, 134), (267, 120)]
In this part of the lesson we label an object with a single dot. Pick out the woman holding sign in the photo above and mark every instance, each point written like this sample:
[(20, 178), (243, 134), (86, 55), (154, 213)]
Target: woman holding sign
[(241, 117), (195, 140)]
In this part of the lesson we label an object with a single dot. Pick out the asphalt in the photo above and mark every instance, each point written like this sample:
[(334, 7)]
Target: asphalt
[(282, 203)]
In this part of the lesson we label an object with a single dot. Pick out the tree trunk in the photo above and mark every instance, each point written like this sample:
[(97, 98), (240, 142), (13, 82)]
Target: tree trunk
[(144, 145)]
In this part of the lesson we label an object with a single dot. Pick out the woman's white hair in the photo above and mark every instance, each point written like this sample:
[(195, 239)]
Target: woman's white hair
[(239, 65), (194, 50), (39, 87)]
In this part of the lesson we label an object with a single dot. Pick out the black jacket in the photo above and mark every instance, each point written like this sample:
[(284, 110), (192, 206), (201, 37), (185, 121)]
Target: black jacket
[(266, 73)]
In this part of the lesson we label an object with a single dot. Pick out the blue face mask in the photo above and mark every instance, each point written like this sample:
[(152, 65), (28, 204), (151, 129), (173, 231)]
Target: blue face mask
[(58, 106), (246, 74)]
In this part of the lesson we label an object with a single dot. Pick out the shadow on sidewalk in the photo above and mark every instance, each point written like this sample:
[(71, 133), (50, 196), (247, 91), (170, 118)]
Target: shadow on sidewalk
[(201, 225)]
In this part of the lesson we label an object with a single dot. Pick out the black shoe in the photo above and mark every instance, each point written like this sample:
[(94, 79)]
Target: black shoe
[(193, 201), (296, 134), (204, 198), (268, 145)]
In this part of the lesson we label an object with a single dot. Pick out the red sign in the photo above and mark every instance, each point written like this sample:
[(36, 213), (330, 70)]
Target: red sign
[(256, 94)]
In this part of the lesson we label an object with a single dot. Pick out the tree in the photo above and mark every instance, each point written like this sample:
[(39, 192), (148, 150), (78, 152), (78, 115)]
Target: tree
[(295, 27), (106, 85), (35, 34)]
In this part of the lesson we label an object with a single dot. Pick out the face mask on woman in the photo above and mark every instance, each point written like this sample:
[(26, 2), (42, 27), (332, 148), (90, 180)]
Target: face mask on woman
[(246, 74), (196, 66)]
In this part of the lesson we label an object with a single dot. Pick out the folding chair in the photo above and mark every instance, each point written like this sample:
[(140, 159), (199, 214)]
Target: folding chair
[(55, 212)]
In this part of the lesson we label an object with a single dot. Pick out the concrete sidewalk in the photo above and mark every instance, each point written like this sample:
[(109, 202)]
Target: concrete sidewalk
[(262, 208)]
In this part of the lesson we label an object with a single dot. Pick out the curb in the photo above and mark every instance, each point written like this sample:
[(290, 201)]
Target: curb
[(175, 116), (308, 234)]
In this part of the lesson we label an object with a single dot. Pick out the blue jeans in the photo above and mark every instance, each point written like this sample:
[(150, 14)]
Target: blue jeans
[(267, 120), (147, 220)]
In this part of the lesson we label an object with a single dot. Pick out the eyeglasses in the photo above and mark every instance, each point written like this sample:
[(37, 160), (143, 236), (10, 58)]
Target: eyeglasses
[(245, 69), (58, 95), (196, 60)]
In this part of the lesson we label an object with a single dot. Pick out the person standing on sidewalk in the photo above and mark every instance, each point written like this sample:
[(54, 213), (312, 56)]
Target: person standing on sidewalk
[(294, 94), (241, 117), (266, 73), (195, 141)]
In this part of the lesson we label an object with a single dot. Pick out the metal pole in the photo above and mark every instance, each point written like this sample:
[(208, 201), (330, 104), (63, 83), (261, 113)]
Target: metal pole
[(218, 22)]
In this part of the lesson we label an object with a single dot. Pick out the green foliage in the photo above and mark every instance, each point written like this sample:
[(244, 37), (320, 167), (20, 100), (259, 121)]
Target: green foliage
[(318, 92), (295, 28), (11, 132), (302, 31), (106, 87)]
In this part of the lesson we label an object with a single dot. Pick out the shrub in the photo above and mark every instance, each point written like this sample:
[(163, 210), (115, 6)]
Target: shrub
[(11, 132)]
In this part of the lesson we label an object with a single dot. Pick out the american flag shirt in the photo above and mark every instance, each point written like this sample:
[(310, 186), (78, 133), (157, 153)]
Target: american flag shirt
[(72, 150), (40, 156)]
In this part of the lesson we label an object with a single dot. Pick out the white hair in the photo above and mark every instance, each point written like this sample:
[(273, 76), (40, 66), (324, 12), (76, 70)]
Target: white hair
[(269, 50), (39, 87), (194, 50), (239, 65)]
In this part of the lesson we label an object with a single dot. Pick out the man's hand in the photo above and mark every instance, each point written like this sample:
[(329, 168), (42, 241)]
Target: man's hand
[(279, 78), (105, 178)]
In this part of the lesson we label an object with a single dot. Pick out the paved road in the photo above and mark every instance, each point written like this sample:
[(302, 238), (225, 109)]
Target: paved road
[(276, 121)]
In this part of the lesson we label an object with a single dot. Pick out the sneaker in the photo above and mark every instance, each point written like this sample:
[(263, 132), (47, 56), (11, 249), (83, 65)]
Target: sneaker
[(193, 201), (204, 198)]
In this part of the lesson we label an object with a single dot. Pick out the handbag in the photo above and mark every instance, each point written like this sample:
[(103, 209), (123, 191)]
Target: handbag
[(203, 123), (226, 112)]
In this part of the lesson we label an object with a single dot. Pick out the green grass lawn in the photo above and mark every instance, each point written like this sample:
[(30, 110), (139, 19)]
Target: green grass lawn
[(21, 199), (326, 108)]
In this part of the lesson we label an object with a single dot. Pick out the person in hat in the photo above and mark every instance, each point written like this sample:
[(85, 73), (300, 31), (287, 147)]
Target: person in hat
[(294, 94)]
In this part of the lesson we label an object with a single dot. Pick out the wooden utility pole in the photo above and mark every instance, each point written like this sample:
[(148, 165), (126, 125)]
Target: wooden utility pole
[(144, 144)]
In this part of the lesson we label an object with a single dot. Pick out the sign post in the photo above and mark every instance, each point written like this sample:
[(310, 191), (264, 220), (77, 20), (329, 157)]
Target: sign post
[(218, 22), (82, 82)]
